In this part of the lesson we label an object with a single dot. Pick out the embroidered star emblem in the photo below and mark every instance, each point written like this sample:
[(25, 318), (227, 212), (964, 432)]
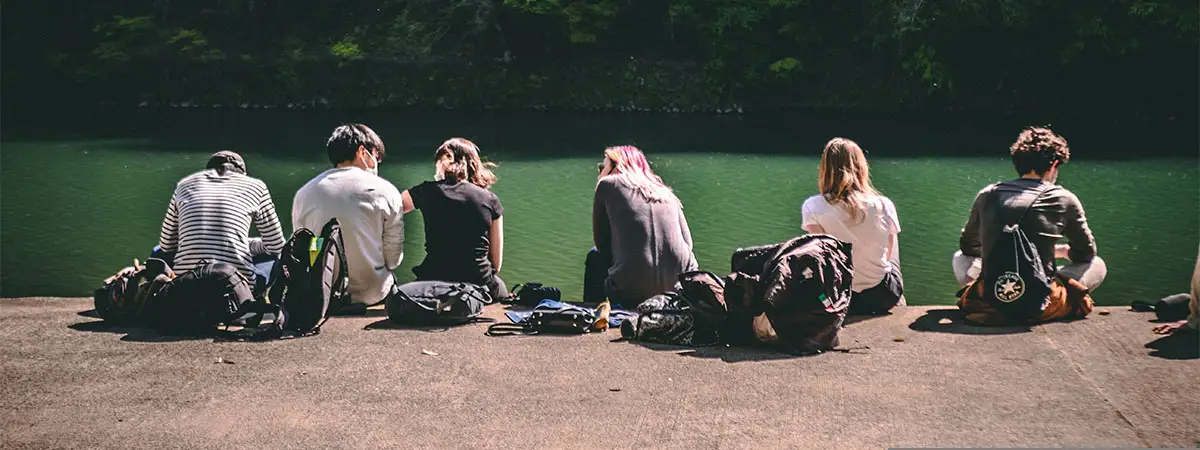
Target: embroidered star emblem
[(1009, 287)]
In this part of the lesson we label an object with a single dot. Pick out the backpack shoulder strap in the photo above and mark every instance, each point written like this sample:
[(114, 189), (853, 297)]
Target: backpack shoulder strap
[(516, 294), (280, 272), (509, 329), (477, 292), (1028, 207), (327, 232)]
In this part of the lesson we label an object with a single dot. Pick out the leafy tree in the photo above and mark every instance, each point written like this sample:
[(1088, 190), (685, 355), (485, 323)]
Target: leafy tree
[(1131, 55)]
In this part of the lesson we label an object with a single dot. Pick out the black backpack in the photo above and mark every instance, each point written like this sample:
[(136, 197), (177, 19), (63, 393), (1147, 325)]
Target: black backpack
[(310, 278), (124, 297), (1015, 280), (704, 294), (437, 303), (550, 319), (198, 300), (668, 319), (529, 294)]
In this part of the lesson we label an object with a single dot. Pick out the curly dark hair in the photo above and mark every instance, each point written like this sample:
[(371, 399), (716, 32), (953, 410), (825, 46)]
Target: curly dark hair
[(1037, 149)]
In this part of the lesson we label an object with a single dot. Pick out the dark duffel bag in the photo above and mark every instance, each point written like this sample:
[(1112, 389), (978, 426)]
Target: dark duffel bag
[(437, 303), (124, 297), (202, 298)]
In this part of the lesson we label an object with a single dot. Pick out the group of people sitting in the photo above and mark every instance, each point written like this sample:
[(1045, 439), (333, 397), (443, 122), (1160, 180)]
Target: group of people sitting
[(640, 232)]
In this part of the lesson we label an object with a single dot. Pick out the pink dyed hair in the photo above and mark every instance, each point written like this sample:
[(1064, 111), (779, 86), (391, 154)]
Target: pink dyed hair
[(631, 166)]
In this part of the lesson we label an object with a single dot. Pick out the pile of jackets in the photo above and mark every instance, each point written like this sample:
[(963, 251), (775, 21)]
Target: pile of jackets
[(792, 296)]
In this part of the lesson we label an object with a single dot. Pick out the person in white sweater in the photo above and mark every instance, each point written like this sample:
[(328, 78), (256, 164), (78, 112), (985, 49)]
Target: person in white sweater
[(367, 207)]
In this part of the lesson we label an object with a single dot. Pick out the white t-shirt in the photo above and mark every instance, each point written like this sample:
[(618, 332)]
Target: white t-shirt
[(869, 237), (371, 215)]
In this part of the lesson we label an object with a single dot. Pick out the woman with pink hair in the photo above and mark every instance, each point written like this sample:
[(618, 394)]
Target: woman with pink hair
[(642, 238)]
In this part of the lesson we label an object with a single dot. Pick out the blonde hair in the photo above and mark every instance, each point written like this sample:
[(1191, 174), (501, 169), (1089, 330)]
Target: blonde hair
[(845, 177), (631, 166), (458, 159)]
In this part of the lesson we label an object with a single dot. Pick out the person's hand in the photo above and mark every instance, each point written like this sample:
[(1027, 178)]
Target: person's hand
[(1170, 328)]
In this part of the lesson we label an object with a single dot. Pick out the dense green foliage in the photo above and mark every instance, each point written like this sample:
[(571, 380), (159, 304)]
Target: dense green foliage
[(1136, 57)]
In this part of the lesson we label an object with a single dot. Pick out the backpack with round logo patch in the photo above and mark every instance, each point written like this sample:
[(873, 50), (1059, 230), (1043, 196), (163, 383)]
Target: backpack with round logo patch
[(1015, 280)]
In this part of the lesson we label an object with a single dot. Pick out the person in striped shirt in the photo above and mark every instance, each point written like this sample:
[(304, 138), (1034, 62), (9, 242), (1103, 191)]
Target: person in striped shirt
[(209, 219)]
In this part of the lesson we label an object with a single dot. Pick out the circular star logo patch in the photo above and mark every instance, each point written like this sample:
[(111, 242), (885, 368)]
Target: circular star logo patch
[(1009, 287)]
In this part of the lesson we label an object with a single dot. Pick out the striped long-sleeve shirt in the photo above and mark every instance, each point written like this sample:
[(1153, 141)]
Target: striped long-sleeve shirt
[(209, 219)]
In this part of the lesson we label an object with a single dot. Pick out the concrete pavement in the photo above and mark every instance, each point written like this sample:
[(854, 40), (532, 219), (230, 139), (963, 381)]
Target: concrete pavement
[(924, 379)]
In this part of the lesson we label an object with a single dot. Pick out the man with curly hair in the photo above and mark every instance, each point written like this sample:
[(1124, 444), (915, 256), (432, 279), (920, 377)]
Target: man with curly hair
[(1054, 214)]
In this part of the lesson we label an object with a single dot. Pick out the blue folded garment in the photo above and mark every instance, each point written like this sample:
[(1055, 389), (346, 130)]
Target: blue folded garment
[(615, 316)]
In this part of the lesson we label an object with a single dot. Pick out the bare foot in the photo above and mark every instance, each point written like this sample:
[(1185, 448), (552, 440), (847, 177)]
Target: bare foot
[(1170, 328)]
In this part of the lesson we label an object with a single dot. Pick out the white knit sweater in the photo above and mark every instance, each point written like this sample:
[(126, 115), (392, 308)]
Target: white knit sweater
[(371, 215)]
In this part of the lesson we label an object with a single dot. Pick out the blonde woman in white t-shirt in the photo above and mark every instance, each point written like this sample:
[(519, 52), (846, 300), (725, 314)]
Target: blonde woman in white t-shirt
[(850, 209)]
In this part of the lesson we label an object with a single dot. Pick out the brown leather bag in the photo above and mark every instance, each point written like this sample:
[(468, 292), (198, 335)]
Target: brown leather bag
[(1069, 299)]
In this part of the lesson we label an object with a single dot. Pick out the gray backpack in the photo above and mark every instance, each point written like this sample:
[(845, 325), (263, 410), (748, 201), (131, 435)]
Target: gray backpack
[(437, 303)]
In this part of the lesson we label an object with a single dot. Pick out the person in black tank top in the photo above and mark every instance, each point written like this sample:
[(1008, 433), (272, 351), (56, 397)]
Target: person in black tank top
[(464, 230)]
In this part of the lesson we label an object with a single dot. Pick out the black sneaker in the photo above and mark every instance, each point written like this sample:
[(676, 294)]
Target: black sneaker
[(629, 329)]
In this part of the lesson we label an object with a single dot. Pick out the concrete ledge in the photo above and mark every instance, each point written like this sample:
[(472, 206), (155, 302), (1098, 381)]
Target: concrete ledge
[(68, 380)]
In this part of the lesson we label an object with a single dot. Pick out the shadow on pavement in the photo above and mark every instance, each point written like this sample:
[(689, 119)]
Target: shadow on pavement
[(90, 313), (951, 321), (724, 352), (134, 334), (388, 324), (856, 318), (736, 354), (358, 310), (1181, 345)]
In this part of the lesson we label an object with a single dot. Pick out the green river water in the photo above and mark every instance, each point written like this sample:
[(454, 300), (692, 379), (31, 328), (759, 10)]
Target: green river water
[(79, 199)]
